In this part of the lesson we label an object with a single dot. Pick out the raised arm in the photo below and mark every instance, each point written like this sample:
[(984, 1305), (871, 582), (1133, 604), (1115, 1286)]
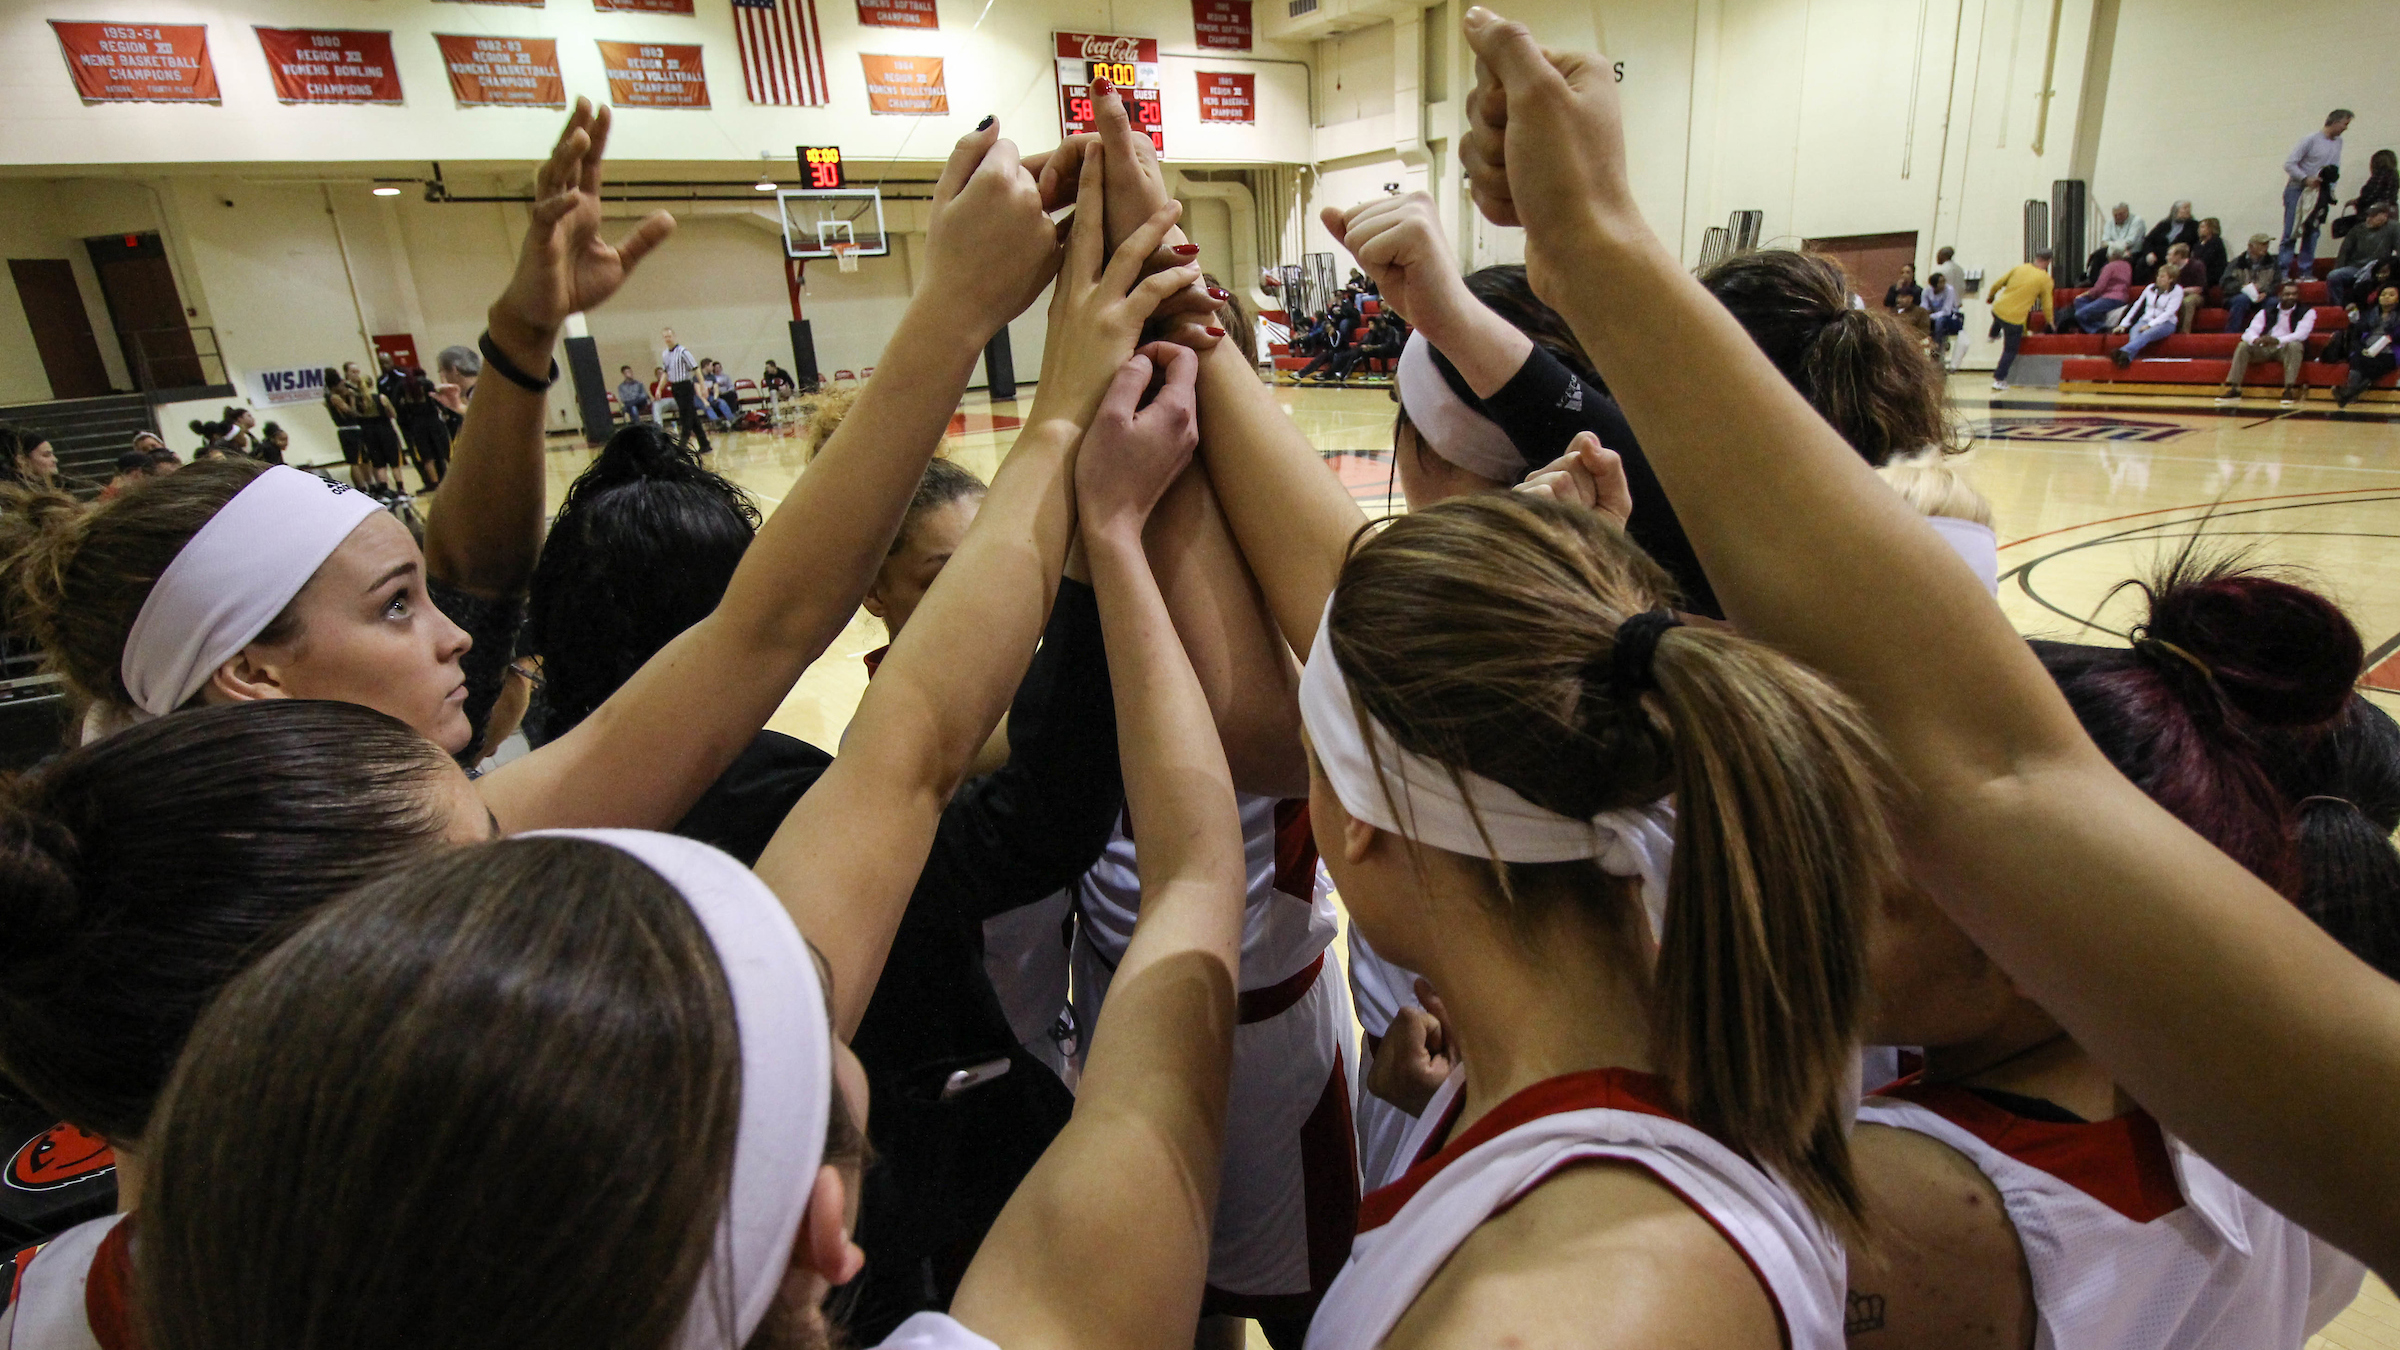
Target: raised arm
[(2217, 1005), (848, 857), (1399, 243), (644, 756), (1129, 1187)]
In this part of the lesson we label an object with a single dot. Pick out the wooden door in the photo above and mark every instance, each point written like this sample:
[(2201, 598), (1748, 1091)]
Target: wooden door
[(1872, 260), (62, 329), (147, 310)]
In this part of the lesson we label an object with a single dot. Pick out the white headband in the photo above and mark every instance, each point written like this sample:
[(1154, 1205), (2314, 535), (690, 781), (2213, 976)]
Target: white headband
[(230, 581), (787, 1077), (1625, 843), (1448, 426), (1975, 543)]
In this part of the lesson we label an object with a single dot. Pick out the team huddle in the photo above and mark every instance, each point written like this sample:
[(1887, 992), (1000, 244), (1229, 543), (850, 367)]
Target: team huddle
[(1756, 942)]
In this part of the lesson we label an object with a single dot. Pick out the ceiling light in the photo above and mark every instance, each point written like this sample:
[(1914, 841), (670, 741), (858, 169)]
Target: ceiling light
[(764, 184), (387, 192)]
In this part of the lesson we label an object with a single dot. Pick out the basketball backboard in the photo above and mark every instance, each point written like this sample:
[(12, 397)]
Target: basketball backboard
[(816, 219)]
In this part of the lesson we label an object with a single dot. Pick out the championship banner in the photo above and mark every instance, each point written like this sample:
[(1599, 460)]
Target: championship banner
[(906, 86), (898, 14), (643, 6), (330, 65), (502, 72), (138, 62), (1131, 64), (654, 75), (521, 4), (293, 384), (1221, 25), (1228, 97)]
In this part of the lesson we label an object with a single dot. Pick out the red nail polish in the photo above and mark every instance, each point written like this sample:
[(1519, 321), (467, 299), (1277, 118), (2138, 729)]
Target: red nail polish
[(1187, 250), (1215, 293), (1214, 331)]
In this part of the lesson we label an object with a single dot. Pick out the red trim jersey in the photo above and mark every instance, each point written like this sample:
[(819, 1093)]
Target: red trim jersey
[(74, 1292), (2133, 1241), (1409, 1229)]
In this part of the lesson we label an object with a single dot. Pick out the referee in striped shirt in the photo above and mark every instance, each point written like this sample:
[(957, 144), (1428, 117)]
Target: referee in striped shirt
[(683, 369)]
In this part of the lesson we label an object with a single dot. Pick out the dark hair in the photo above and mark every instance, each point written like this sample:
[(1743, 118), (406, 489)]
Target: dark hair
[(643, 548), (1482, 632), (141, 872), (74, 580), (134, 461), (1859, 368), (268, 431), (943, 482), (165, 456), (15, 444), (2227, 667), (488, 1101), (1504, 290)]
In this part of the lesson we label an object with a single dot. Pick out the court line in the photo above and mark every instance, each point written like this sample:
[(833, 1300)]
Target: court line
[(2023, 572), (2199, 506)]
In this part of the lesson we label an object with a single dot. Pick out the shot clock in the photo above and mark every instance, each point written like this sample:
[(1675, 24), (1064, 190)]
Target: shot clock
[(821, 166), (1131, 64)]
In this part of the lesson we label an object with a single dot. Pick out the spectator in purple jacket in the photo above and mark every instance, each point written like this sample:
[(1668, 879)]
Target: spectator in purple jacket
[(2110, 290)]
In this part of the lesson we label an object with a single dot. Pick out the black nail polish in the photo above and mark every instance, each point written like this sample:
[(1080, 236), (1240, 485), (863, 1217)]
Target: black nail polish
[(988, 119)]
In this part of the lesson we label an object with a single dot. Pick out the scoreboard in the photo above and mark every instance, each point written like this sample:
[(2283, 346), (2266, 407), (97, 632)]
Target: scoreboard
[(1131, 64), (821, 166)]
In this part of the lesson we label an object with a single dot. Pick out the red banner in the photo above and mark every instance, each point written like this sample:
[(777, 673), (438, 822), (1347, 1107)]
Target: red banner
[(330, 65), (906, 86), (1228, 98), (1221, 25), (898, 14), (138, 62), (502, 72), (654, 74), (1107, 47), (643, 6), (522, 4)]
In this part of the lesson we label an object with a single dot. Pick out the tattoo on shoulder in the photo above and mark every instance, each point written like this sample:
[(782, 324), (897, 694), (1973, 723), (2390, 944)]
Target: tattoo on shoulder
[(1865, 1314)]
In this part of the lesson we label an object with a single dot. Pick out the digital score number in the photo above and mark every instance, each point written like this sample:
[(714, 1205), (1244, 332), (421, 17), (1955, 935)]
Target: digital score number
[(821, 166), (1140, 104)]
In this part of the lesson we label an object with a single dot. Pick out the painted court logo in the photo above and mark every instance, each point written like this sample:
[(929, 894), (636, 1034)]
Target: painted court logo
[(2088, 428)]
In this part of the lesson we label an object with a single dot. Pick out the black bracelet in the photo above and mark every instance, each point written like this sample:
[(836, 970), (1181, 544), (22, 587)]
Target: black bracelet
[(507, 370)]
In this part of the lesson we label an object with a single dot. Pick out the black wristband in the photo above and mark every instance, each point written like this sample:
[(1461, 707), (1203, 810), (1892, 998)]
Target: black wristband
[(507, 369)]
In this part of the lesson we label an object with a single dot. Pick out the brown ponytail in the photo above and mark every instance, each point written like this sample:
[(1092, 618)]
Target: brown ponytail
[(1480, 633), (74, 579)]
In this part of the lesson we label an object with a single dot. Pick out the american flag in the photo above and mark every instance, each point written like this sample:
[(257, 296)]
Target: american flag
[(783, 52)]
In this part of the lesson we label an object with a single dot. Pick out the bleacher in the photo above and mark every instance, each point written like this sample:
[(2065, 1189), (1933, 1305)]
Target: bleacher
[(2199, 360), (1373, 370)]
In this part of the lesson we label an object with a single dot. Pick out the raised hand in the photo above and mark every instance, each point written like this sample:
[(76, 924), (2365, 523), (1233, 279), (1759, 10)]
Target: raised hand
[(1588, 475), (565, 266), (989, 247), (1137, 188), (1398, 241), (1096, 311), (1545, 145), (1134, 451)]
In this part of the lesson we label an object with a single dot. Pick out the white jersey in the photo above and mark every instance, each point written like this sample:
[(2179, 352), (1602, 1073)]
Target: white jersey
[(73, 1292), (1380, 989), (1289, 919), (2132, 1240), (1408, 1230)]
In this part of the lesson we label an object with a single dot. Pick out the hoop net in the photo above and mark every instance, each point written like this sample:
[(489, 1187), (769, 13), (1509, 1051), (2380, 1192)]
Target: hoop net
[(845, 256)]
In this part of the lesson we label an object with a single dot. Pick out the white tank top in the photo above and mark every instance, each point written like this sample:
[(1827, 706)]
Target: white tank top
[(934, 1331), (1407, 1230), (1289, 919), (2133, 1241), (72, 1282)]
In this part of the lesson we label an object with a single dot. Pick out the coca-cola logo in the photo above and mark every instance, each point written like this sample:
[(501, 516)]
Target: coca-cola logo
[(1098, 48)]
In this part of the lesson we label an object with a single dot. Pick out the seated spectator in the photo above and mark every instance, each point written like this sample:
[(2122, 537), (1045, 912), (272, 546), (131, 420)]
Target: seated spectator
[(634, 398), (273, 442), (2212, 248), (1338, 358), (133, 466), (2177, 228), (147, 441), (1913, 316), (2386, 272), (717, 397), (2125, 229), (1906, 285), (2372, 335), (2154, 314), (2249, 280), (2382, 185), (2278, 332), (2375, 238), (776, 381), (1941, 305), (2111, 291), (2192, 277)]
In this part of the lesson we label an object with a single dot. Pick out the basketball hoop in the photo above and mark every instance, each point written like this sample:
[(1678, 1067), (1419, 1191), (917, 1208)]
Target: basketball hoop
[(845, 256)]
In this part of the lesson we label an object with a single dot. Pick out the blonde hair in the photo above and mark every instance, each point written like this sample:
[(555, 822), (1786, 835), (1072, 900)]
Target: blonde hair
[(1936, 489), (1481, 632), (821, 415)]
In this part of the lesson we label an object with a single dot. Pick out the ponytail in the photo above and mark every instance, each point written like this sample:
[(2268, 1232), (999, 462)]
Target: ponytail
[(1482, 634), (1781, 846)]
